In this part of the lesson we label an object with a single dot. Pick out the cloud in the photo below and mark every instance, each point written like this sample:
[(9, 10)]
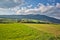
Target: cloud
[(16, 1), (4, 11), (16, 7), (10, 3), (40, 9), (44, 8), (29, 6), (21, 11), (49, 10), (58, 5), (28, 10)]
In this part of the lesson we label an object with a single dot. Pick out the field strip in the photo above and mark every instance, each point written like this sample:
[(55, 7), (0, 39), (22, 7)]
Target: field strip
[(45, 28)]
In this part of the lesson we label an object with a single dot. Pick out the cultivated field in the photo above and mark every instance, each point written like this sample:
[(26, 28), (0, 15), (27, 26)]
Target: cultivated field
[(22, 31)]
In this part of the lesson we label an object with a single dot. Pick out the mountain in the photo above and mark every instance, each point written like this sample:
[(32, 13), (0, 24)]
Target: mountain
[(30, 16)]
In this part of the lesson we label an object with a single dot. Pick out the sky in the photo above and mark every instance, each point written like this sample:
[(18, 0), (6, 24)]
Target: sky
[(24, 7)]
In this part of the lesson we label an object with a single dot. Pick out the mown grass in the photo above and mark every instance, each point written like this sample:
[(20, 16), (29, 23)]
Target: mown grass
[(24, 32)]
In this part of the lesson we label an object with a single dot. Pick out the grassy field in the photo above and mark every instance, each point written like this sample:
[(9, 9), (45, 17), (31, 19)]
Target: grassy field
[(21, 31)]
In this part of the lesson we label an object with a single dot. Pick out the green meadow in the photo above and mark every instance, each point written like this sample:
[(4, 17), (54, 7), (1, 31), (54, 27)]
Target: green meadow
[(27, 31)]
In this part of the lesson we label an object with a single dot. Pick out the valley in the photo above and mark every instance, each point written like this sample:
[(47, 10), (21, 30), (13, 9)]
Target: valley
[(29, 27)]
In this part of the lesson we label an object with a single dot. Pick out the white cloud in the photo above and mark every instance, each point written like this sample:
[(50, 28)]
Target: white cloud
[(44, 8), (4, 11), (41, 9), (1, 9), (18, 1), (29, 6), (21, 11), (27, 11), (58, 5), (11, 3)]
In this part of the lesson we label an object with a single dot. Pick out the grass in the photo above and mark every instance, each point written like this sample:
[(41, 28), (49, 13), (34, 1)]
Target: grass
[(49, 28), (20, 31)]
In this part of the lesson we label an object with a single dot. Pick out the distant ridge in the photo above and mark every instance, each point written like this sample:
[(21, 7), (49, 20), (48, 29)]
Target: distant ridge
[(31, 16)]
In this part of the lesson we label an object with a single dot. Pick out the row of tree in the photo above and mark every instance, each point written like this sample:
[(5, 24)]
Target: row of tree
[(23, 21)]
